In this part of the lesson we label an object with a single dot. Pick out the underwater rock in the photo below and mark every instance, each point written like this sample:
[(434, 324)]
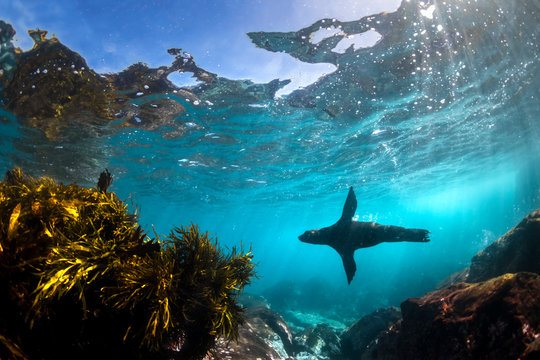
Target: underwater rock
[(263, 335), (252, 301), (299, 320), (139, 79), (496, 319), (269, 324), (362, 73), (516, 251), (153, 114), (356, 338), (249, 346), (320, 341), (266, 335), (453, 279)]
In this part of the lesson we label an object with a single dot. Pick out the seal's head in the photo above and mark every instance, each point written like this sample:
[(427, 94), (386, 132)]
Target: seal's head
[(312, 237)]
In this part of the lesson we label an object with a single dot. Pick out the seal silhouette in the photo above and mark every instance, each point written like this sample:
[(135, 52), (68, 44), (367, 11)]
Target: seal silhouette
[(346, 235)]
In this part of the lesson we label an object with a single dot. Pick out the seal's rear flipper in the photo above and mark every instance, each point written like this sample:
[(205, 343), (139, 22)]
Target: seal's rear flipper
[(349, 265), (417, 235), (349, 208)]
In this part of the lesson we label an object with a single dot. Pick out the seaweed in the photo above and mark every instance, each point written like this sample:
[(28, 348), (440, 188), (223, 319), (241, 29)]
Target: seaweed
[(80, 278), (105, 180)]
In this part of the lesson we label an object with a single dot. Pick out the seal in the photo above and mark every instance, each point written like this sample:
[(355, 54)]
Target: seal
[(346, 235)]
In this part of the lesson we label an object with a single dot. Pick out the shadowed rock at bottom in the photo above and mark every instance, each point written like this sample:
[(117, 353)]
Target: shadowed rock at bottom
[(264, 335), (356, 338), (319, 342), (496, 319)]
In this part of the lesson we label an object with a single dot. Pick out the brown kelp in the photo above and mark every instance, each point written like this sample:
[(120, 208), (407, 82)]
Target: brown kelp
[(80, 278)]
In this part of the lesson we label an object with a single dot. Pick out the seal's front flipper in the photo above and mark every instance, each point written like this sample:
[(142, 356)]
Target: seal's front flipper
[(349, 208), (349, 265)]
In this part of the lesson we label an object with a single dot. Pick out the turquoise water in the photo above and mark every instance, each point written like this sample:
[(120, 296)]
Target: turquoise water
[(448, 143)]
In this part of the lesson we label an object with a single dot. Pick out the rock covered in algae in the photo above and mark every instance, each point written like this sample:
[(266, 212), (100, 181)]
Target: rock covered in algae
[(79, 278), (356, 338), (264, 335), (495, 319), (516, 251)]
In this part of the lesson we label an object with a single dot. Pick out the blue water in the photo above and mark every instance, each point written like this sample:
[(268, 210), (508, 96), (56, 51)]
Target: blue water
[(451, 146)]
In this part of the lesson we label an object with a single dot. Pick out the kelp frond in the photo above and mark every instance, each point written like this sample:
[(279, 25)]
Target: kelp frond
[(10, 350), (211, 278), (148, 283), (191, 282)]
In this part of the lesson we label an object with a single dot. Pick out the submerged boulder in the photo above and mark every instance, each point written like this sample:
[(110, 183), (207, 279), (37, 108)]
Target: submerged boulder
[(496, 319), (252, 301), (264, 335), (516, 251), (321, 342), (356, 338)]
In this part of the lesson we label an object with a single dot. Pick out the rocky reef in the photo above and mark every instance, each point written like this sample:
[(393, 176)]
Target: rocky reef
[(266, 335), (518, 250), (357, 337), (495, 319), (497, 316)]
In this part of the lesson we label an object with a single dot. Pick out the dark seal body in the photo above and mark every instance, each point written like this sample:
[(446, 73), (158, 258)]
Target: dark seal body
[(346, 235)]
